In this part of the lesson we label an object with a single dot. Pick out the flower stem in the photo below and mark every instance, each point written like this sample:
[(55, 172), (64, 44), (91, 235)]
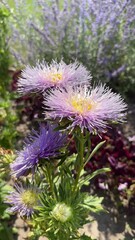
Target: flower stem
[(88, 146), (79, 158), (50, 180)]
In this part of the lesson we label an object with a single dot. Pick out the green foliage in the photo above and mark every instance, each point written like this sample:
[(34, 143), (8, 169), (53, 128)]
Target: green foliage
[(84, 237), (63, 209), (4, 189), (5, 229), (73, 208), (4, 49), (6, 157), (8, 117), (8, 120)]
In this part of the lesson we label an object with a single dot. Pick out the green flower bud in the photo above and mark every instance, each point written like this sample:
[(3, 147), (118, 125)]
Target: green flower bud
[(62, 212)]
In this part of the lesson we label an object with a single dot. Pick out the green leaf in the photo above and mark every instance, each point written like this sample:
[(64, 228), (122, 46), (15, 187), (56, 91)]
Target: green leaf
[(93, 203), (62, 160), (85, 180), (94, 151)]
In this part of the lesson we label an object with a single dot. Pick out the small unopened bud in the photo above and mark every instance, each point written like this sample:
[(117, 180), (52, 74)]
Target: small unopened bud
[(62, 212)]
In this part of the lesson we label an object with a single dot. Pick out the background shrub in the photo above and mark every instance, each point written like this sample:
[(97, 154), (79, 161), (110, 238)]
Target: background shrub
[(100, 34)]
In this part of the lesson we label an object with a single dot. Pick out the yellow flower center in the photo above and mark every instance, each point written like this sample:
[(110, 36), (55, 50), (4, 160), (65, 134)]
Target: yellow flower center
[(56, 77), (62, 212), (81, 105), (29, 198)]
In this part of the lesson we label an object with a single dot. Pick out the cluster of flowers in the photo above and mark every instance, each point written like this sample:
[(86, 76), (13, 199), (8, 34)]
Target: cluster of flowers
[(67, 95), (74, 106)]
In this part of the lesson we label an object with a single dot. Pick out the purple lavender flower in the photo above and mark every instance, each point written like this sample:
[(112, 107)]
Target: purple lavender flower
[(44, 144), (44, 76), (23, 200), (86, 108), (87, 30)]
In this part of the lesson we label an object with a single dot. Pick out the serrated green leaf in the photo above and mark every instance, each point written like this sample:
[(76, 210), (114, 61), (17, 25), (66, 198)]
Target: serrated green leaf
[(93, 203)]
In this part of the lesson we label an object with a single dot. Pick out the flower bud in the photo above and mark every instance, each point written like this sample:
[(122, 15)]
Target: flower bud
[(62, 212)]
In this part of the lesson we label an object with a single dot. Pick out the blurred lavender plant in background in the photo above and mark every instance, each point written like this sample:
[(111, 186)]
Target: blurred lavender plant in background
[(100, 34)]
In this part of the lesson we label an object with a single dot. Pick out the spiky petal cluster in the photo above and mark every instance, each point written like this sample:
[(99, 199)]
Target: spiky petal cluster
[(44, 144), (86, 108), (44, 76), (23, 200)]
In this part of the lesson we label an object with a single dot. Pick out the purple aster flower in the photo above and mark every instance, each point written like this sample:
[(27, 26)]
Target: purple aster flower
[(44, 76), (44, 144), (23, 200), (89, 108)]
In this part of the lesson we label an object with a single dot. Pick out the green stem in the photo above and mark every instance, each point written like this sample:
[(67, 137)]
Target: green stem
[(89, 147), (50, 180), (79, 159)]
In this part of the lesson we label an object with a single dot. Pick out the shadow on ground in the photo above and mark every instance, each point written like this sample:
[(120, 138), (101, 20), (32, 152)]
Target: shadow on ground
[(117, 223)]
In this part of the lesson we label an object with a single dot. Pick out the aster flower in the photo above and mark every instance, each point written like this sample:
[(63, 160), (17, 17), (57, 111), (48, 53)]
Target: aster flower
[(23, 200), (44, 144), (86, 108), (45, 76)]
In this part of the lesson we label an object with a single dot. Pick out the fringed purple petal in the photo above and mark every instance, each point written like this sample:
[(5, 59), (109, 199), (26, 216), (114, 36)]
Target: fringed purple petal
[(44, 144), (16, 201), (44, 76), (87, 108)]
